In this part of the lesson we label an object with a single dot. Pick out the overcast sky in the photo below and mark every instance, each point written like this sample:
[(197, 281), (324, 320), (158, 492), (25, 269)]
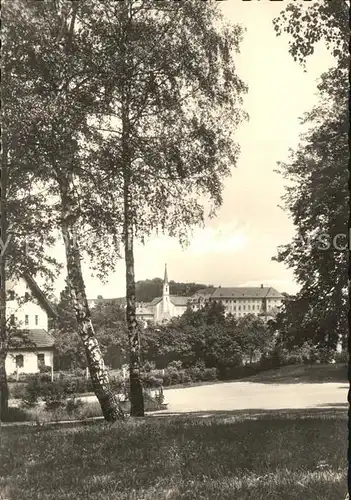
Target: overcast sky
[(237, 246)]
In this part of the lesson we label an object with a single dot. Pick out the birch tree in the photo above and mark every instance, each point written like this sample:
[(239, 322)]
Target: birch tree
[(58, 71), (167, 137)]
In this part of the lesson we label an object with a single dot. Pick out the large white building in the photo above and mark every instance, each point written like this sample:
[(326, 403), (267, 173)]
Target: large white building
[(28, 315), (240, 301)]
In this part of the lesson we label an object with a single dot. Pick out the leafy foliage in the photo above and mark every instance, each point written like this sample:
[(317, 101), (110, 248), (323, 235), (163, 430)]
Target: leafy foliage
[(316, 197), (147, 290), (206, 336)]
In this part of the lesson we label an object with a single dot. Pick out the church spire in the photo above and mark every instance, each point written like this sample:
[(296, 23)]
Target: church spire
[(165, 280)]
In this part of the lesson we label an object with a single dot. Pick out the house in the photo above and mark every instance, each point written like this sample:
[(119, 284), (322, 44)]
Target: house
[(29, 314)]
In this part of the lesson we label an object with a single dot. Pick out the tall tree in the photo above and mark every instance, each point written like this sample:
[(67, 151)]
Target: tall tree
[(168, 143), (317, 201), (328, 22), (25, 220), (318, 206), (61, 77)]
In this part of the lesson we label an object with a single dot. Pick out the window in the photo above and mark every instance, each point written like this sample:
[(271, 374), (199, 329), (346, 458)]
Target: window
[(26, 320), (19, 361), (11, 294), (12, 320), (41, 360), (26, 296), (36, 320)]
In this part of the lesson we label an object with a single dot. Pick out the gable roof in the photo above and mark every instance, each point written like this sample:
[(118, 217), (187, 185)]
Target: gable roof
[(246, 292), (204, 293), (155, 301), (32, 339), (179, 300), (40, 296), (175, 299)]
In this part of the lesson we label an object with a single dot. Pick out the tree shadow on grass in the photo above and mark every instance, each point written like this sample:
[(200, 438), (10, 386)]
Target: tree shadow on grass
[(302, 374), (327, 410), (247, 454)]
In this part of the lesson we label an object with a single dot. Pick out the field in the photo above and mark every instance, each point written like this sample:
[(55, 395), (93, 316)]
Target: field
[(254, 455)]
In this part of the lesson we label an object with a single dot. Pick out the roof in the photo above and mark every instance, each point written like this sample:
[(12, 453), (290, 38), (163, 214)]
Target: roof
[(40, 296), (155, 301), (179, 300), (247, 292), (203, 292), (175, 299), (32, 339)]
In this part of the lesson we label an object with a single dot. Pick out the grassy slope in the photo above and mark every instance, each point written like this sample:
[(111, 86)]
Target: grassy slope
[(269, 456), (302, 374)]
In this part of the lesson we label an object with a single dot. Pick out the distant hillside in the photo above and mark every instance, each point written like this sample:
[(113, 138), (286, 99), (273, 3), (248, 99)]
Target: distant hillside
[(147, 290)]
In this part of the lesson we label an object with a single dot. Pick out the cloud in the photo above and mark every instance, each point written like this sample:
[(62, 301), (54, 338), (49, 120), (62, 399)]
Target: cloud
[(210, 240)]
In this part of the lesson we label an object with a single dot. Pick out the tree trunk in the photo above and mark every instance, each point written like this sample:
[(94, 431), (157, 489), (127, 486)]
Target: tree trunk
[(110, 406), (136, 388), (4, 392)]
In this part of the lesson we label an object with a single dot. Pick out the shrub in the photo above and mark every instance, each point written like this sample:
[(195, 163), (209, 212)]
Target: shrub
[(74, 406), (175, 365), (209, 374), (45, 369), (341, 357), (151, 381), (326, 355), (55, 395), (32, 393), (196, 373), (17, 390), (149, 366)]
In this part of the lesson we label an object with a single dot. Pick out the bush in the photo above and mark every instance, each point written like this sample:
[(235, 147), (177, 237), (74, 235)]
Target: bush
[(74, 406), (17, 390), (27, 377), (326, 355), (341, 357), (175, 365), (150, 381), (209, 374), (149, 366), (32, 393), (45, 369)]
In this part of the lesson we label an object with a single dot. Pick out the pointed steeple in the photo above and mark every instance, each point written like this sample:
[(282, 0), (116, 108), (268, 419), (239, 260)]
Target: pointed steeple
[(165, 280)]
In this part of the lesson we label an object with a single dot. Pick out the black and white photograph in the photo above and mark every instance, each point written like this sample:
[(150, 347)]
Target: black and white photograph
[(175, 259)]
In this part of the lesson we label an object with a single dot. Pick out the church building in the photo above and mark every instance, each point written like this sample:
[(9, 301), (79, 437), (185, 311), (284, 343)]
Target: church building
[(162, 309)]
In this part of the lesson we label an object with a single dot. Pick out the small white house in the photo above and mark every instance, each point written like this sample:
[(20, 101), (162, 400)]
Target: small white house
[(28, 313)]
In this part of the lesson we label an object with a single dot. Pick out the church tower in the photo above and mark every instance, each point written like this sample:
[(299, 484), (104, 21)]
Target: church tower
[(165, 296)]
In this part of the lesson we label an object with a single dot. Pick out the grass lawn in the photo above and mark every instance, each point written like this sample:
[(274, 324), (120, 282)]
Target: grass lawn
[(302, 374), (292, 455), (86, 410)]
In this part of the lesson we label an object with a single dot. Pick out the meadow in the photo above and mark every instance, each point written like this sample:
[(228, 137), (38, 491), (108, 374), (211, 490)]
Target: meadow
[(240, 455)]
